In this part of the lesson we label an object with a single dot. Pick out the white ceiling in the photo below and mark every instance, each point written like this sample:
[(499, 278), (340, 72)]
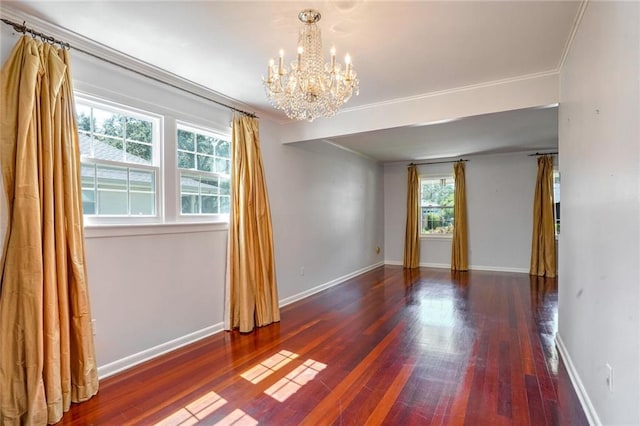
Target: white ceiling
[(400, 49)]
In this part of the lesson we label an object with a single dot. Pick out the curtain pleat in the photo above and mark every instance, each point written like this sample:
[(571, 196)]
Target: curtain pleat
[(412, 231), (47, 355), (543, 242), (459, 248), (251, 262)]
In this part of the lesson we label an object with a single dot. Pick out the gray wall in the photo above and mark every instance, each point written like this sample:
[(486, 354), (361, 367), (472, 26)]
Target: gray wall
[(599, 243), (500, 191)]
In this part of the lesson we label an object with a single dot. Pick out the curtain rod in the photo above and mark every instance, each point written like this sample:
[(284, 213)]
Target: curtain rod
[(439, 162), (22, 28), (542, 153)]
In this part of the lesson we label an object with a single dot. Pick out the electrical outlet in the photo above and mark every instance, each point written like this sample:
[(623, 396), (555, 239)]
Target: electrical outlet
[(609, 377), (93, 326), (302, 271)]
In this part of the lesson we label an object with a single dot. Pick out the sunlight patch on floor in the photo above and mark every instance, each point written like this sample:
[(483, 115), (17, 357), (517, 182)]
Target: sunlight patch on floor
[(195, 411), (289, 384), (267, 367), (237, 418)]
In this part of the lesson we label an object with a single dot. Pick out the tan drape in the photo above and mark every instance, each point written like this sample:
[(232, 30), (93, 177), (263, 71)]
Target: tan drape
[(459, 250), (47, 357), (412, 231), (543, 243), (252, 273)]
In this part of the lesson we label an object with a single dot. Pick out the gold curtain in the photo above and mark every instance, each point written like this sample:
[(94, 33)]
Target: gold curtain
[(543, 243), (459, 250), (412, 231), (252, 272), (47, 356)]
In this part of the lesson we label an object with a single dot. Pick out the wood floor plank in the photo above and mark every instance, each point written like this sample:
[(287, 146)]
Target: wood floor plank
[(392, 346), (382, 409)]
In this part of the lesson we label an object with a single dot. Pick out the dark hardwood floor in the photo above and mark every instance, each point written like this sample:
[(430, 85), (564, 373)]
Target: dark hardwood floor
[(392, 346)]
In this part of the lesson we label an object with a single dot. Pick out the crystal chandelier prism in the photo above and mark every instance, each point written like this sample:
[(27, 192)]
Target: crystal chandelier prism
[(309, 88)]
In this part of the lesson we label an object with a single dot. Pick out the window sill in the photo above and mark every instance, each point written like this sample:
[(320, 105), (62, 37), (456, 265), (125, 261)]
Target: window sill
[(121, 230), (436, 236)]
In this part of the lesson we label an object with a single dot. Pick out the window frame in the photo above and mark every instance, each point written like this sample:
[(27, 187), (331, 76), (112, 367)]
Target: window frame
[(156, 165), (556, 203), (434, 176), (204, 131)]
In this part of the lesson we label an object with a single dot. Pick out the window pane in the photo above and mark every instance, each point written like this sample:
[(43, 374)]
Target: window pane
[(209, 186), (111, 202), (222, 166), (189, 183), (116, 141), (139, 153), (224, 186), (437, 199), (142, 203), (222, 149), (225, 202), (83, 117), (190, 204), (88, 201), (437, 192), (201, 193), (185, 140), (205, 164), (205, 144), (112, 178), (209, 204), (186, 160), (87, 172), (105, 148), (108, 123), (85, 144), (142, 181), (139, 130), (437, 220)]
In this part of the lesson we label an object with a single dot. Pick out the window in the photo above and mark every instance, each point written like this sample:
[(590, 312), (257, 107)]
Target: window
[(556, 199), (119, 160), (436, 205), (204, 164)]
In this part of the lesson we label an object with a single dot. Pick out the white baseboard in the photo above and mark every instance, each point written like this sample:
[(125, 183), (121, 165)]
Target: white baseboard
[(125, 363), (472, 267), (435, 265), (422, 265), (585, 401), (291, 299), (499, 269)]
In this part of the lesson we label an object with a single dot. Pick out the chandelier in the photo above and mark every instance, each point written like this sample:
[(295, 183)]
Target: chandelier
[(309, 88)]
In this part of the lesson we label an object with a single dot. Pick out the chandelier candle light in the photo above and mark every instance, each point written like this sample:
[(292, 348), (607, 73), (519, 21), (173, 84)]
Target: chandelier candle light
[(308, 88)]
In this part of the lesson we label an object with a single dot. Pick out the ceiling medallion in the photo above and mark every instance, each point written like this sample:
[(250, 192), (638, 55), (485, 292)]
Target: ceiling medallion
[(309, 88)]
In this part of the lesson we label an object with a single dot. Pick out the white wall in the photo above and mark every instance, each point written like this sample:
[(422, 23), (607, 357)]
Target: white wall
[(500, 191), (599, 147), (327, 211), (156, 287)]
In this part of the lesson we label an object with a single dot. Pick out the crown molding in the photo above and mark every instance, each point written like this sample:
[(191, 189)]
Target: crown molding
[(454, 90), (572, 34)]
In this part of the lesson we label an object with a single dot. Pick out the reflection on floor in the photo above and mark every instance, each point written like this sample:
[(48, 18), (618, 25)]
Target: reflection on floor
[(393, 346)]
